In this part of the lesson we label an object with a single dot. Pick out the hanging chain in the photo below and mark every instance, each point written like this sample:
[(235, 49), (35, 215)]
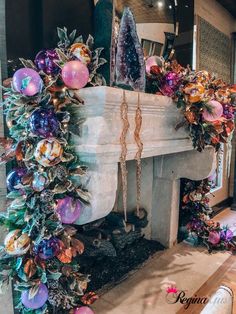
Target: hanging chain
[(124, 172), (138, 125)]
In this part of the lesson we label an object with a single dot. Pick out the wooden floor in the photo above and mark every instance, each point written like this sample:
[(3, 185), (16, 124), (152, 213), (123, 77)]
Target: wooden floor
[(225, 275)]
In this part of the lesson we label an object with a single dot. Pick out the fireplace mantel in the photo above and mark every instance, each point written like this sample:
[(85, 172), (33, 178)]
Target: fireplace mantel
[(98, 146)]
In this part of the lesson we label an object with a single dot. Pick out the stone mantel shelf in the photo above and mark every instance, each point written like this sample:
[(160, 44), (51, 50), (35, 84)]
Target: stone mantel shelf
[(100, 134), (173, 156)]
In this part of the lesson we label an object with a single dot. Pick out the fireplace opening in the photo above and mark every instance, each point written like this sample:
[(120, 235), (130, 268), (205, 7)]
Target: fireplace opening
[(115, 249)]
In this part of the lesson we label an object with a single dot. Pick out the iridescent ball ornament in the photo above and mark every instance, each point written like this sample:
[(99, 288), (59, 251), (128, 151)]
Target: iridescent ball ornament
[(45, 61), (47, 248), (68, 209), (48, 152), (43, 122), (81, 52), (153, 61), (40, 181), (216, 111), (171, 78), (75, 74), (83, 310), (17, 243), (214, 237), (27, 82), (14, 178), (38, 300)]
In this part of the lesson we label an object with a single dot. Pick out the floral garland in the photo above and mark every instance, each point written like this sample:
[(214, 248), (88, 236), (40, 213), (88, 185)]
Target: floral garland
[(207, 103), (195, 216), (46, 190)]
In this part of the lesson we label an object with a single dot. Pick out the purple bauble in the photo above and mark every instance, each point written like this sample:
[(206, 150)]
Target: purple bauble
[(14, 178), (69, 209), (171, 78), (44, 123), (214, 237), (47, 249), (45, 61), (226, 235), (27, 82), (38, 300)]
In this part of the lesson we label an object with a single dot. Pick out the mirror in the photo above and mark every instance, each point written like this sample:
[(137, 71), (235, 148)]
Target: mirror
[(164, 27)]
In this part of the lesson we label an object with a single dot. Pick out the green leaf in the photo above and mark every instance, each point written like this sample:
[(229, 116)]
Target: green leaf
[(54, 275), (33, 291)]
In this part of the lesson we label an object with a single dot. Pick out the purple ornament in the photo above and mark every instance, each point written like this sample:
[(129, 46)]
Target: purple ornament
[(171, 78), (226, 235), (27, 82), (14, 178), (47, 249), (44, 123), (45, 61), (38, 300), (69, 209)]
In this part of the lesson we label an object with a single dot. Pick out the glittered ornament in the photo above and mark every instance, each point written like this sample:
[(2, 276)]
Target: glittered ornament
[(214, 237), (226, 235), (194, 91), (83, 310), (47, 249), (40, 181), (17, 243), (45, 61), (38, 300), (27, 82), (48, 152), (14, 178), (153, 61), (68, 209), (43, 122), (61, 172), (81, 52), (216, 111), (171, 78), (75, 74)]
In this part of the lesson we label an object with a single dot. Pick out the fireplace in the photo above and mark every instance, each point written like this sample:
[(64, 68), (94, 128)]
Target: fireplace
[(167, 156)]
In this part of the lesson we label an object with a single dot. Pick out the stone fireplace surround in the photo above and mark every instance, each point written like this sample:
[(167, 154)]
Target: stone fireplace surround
[(167, 156)]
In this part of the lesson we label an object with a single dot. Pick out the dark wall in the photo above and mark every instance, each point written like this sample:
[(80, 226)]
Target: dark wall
[(31, 24)]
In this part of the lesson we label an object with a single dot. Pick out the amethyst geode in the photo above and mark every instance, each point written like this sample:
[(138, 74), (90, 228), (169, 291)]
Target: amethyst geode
[(130, 65)]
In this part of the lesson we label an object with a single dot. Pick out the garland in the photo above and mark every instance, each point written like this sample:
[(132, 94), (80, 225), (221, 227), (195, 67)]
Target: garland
[(207, 103), (208, 107), (195, 216), (46, 191)]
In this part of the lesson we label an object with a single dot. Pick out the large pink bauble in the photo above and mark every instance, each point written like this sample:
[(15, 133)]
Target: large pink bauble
[(217, 111), (69, 209), (38, 300), (75, 74), (83, 310), (27, 82), (154, 60)]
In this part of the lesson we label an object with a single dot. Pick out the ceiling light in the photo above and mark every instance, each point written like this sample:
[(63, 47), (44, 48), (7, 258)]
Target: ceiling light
[(160, 4), (170, 6)]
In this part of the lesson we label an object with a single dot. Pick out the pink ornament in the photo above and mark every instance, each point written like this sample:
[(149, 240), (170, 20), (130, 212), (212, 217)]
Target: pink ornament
[(83, 310), (217, 111), (75, 74), (27, 82), (151, 61), (214, 237), (69, 209)]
